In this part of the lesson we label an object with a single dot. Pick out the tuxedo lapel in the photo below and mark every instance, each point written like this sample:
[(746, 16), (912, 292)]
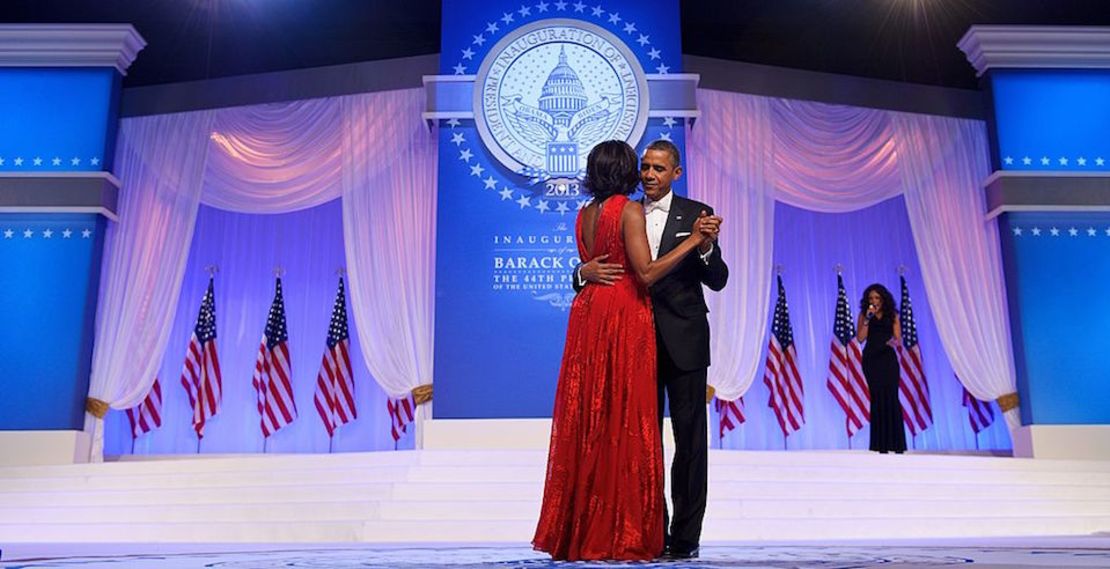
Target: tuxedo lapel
[(676, 218)]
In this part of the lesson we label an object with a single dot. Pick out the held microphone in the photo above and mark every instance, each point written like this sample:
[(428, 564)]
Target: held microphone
[(871, 312)]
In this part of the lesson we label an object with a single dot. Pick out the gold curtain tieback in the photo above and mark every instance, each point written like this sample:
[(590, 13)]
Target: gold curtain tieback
[(96, 407), (422, 393)]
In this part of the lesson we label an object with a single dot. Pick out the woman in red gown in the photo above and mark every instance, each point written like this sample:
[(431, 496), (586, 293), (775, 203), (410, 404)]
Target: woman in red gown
[(603, 497)]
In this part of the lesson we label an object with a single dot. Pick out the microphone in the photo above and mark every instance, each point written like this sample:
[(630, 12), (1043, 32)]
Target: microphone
[(870, 311)]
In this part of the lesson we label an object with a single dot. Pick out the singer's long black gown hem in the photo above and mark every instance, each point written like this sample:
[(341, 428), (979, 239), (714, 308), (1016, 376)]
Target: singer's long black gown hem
[(880, 368)]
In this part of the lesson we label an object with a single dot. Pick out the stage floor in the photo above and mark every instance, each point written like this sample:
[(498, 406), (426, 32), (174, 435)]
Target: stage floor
[(1059, 553)]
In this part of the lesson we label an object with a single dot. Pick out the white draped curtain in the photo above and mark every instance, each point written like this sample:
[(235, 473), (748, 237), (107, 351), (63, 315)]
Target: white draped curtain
[(372, 150), (746, 152)]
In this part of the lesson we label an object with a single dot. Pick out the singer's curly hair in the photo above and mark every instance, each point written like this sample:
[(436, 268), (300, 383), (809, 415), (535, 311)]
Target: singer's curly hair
[(612, 168), (889, 308)]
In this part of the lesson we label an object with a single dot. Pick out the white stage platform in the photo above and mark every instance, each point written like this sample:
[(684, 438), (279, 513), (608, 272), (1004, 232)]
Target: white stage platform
[(494, 495)]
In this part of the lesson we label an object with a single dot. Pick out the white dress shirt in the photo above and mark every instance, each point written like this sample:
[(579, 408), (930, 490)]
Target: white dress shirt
[(656, 213)]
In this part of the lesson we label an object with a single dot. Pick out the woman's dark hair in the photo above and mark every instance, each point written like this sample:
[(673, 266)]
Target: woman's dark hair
[(889, 308), (612, 168)]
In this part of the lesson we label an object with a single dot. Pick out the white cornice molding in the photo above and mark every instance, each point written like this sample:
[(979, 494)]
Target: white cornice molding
[(1036, 47), (69, 45)]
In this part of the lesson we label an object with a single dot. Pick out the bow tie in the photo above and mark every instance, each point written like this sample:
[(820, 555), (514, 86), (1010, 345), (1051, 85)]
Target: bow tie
[(651, 206)]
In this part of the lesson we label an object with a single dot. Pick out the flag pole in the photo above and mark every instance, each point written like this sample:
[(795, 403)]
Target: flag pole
[(198, 443), (132, 442), (331, 439)]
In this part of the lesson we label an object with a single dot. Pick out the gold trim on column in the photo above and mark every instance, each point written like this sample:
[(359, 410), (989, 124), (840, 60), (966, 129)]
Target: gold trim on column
[(96, 407), (1008, 401), (422, 393), (710, 393)]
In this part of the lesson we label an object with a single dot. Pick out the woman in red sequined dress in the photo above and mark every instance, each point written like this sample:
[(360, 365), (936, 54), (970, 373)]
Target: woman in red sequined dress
[(603, 497)]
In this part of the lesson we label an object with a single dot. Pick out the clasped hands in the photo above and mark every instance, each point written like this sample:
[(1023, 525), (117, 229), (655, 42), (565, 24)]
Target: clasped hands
[(596, 270)]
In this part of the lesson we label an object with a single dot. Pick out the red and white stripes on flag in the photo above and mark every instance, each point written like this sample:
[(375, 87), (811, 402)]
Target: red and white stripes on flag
[(979, 413), (335, 382), (781, 373), (729, 414), (913, 388), (846, 380), (200, 375), (272, 378), (147, 416), (401, 412)]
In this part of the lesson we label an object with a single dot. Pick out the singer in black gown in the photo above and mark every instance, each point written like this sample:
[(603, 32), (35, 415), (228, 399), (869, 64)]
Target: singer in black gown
[(878, 325)]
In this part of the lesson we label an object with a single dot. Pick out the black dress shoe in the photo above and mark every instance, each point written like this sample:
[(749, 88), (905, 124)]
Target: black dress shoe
[(675, 552)]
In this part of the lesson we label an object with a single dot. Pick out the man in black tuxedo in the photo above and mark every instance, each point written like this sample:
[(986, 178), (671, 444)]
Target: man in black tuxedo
[(681, 333)]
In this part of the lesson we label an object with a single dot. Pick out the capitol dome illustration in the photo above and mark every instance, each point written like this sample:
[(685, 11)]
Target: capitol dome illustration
[(563, 94)]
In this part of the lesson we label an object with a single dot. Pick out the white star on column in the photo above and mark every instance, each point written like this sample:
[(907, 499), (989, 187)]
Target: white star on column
[(1036, 232), (1017, 231), (18, 161), (460, 69), (86, 233), (453, 122), (669, 121), (458, 138), (665, 136), (1008, 160), (1, 161), (543, 206), (506, 194), (8, 233), (1027, 160), (662, 69), (56, 161), (48, 233), (492, 27), (468, 53), (1081, 161), (560, 5), (1073, 232), (476, 170), (37, 161), (1108, 231), (1091, 232), (67, 233), (1099, 161), (654, 53), (643, 40), (579, 6), (1063, 161), (614, 17), (507, 17), (1044, 160), (542, 7), (1054, 232), (75, 161), (562, 208), (629, 28), (525, 11), (466, 155), (27, 233), (490, 182), (524, 202), (598, 11), (479, 39)]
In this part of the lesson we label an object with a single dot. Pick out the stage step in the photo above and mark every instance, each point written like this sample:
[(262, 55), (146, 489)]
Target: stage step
[(484, 496)]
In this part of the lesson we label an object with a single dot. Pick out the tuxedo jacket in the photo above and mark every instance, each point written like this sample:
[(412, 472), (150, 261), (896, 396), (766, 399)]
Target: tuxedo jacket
[(678, 299)]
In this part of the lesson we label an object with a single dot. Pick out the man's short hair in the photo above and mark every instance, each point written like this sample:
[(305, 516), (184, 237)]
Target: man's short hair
[(668, 147)]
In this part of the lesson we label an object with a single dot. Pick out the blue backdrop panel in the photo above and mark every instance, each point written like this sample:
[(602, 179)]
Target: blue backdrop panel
[(48, 287), (57, 120), (505, 239), (1052, 119), (1057, 268)]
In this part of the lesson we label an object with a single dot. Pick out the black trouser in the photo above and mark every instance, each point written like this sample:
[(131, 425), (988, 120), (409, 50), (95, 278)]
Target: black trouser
[(685, 390)]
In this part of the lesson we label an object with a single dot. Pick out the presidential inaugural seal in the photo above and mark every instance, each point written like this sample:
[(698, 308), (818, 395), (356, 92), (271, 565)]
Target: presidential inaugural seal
[(546, 93)]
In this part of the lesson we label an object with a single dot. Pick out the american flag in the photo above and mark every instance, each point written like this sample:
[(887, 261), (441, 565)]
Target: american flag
[(730, 415), (979, 413), (273, 372), (201, 373), (335, 382), (846, 381), (147, 416), (401, 412), (913, 389), (781, 374)]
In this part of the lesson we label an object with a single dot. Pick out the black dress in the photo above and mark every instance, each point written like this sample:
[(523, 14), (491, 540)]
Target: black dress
[(880, 367)]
